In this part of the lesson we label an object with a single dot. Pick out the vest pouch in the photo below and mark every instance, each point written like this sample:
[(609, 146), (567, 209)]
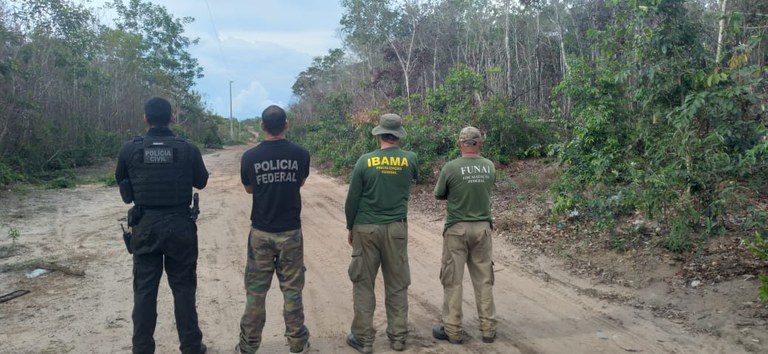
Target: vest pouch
[(134, 215), (126, 191)]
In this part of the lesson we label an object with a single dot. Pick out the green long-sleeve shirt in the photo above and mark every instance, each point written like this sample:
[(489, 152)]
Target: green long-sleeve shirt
[(467, 183), (380, 187)]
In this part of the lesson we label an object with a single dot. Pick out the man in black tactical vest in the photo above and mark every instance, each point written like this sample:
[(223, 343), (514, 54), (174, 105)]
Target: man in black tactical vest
[(157, 172)]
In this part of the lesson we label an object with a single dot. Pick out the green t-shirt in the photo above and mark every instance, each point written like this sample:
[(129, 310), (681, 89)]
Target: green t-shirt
[(380, 187), (466, 183)]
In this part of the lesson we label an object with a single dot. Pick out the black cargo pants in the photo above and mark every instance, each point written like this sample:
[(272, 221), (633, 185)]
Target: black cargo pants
[(165, 238)]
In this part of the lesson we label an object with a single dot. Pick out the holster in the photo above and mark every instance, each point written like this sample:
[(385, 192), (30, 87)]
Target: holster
[(127, 239), (194, 211)]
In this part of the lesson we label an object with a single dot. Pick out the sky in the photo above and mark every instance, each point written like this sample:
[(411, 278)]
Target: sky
[(261, 46)]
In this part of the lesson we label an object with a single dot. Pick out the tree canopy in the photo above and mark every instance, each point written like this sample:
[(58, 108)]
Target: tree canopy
[(72, 89), (653, 108)]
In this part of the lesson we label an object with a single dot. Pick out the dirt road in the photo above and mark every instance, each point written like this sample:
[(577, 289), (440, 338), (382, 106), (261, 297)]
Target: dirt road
[(78, 230)]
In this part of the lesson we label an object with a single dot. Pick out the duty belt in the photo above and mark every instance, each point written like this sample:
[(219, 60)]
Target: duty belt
[(164, 207)]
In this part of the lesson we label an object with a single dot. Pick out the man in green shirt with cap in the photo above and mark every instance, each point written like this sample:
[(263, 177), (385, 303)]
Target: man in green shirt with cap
[(376, 211), (466, 183)]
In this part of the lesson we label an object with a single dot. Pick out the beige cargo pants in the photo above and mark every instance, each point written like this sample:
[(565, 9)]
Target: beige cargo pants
[(468, 243), (384, 246)]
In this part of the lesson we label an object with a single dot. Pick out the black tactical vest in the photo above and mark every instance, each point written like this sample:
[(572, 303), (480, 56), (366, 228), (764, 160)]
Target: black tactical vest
[(161, 171)]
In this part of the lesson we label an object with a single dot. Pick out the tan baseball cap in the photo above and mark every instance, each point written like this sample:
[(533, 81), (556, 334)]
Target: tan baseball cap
[(470, 136)]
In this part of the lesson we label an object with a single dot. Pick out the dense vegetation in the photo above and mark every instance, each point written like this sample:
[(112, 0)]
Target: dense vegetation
[(72, 89), (655, 109)]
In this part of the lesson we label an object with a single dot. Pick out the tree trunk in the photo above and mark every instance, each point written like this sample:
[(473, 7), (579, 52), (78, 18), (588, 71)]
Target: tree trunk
[(563, 57), (507, 50), (406, 63), (721, 32)]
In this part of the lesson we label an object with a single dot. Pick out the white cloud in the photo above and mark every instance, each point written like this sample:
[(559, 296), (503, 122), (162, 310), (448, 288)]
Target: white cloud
[(253, 98), (260, 45), (272, 66), (310, 42)]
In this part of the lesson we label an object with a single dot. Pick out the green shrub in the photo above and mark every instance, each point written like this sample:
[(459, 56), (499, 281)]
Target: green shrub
[(8, 175), (512, 132), (211, 138), (336, 140), (678, 240), (61, 183), (763, 291), (675, 136), (759, 248), (332, 139), (13, 234), (108, 180)]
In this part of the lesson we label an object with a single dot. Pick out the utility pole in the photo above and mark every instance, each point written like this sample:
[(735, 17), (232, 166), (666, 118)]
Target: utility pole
[(231, 124)]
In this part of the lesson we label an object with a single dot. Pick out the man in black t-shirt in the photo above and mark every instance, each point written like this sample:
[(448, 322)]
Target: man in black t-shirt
[(273, 172)]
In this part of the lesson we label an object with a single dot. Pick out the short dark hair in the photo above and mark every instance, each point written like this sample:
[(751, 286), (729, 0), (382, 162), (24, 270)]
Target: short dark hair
[(273, 119), (390, 138), (158, 111)]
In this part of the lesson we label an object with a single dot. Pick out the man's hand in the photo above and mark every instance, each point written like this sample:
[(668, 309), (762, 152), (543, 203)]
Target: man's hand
[(349, 237)]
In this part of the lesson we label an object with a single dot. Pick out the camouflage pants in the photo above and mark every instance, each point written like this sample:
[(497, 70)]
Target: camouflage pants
[(280, 253), (384, 246), (468, 243)]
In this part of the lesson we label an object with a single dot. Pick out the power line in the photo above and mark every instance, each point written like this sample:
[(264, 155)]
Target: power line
[(216, 34), (223, 57)]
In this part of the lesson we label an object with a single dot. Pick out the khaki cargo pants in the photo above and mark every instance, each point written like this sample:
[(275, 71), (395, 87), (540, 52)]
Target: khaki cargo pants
[(280, 253), (468, 243), (384, 245)]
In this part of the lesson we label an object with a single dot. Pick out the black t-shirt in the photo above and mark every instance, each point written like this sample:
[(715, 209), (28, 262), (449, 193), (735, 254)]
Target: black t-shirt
[(275, 169)]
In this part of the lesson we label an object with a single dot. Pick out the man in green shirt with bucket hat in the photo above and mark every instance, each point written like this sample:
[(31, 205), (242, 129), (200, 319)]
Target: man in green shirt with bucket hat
[(376, 211), (466, 183)]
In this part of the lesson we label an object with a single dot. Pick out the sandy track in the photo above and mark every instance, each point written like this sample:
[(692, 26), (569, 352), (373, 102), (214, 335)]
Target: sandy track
[(91, 314)]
